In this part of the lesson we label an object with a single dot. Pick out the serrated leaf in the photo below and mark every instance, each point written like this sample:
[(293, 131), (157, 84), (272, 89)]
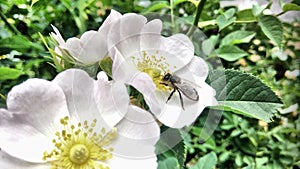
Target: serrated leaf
[(245, 16), (272, 28), (247, 95), (208, 161), (259, 110), (291, 7), (237, 37), (7, 73), (169, 163), (230, 53), (171, 144)]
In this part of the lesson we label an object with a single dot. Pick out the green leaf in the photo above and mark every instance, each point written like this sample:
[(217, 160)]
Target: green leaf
[(257, 9), (208, 161), (229, 13), (19, 2), (246, 95), (17, 42), (237, 37), (226, 19), (261, 161), (245, 16), (171, 144), (177, 2), (169, 163), (291, 7), (106, 65), (272, 28), (209, 44), (7, 73), (33, 2), (230, 53), (156, 6), (223, 22), (258, 110)]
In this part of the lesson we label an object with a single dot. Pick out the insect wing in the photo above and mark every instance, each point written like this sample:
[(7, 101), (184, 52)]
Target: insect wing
[(188, 90)]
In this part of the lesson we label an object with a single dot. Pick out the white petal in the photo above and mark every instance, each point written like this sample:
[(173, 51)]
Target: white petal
[(9, 162), (79, 90), (125, 29), (90, 48), (89, 99), (179, 51), (138, 132), (126, 72), (122, 70), (173, 115), (145, 85), (122, 162), (151, 35), (197, 67), (112, 99), (20, 139), (43, 104), (153, 26), (112, 17), (139, 124)]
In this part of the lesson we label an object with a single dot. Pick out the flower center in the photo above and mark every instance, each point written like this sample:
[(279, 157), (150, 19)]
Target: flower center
[(80, 147), (79, 154), (155, 66)]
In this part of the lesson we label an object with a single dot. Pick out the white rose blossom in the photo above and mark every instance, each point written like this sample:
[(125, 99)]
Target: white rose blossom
[(90, 48), (142, 56), (75, 122)]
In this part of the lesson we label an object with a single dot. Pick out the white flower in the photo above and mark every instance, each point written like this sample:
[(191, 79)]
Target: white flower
[(141, 58), (75, 122), (92, 45)]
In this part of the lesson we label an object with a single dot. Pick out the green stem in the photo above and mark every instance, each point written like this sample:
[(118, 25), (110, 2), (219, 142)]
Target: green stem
[(172, 13), (199, 11), (10, 26), (197, 17)]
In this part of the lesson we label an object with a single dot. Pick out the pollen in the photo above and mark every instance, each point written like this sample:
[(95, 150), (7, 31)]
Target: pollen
[(80, 147), (155, 66)]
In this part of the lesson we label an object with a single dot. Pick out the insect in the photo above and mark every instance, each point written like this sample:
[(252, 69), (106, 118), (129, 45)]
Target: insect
[(181, 87)]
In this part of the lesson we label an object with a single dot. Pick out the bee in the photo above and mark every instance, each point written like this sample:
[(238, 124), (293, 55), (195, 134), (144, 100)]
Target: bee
[(181, 87)]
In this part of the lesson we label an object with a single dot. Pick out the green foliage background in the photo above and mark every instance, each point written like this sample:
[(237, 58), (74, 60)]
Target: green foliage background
[(247, 40)]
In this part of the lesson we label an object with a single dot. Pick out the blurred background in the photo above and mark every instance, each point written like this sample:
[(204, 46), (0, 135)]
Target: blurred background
[(238, 141)]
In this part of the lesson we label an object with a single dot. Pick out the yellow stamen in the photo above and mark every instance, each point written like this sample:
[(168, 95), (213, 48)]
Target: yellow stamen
[(79, 147), (155, 66)]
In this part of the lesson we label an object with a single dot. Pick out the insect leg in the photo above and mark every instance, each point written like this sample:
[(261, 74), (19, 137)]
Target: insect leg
[(164, 84), (180, 97), (171, 95)]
